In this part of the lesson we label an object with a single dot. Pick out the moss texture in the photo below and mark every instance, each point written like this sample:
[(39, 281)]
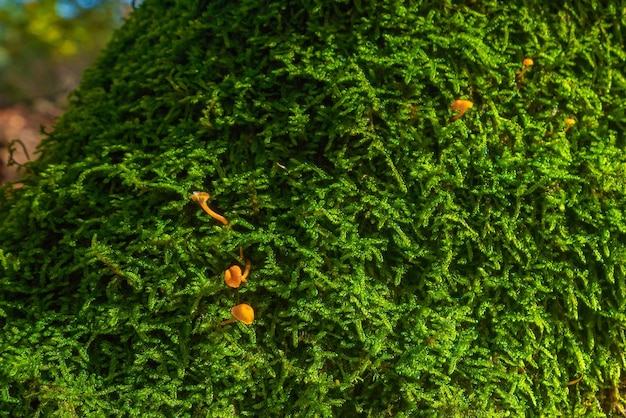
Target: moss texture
[(402, 264)]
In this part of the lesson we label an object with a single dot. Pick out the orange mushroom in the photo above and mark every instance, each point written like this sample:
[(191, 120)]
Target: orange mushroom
[(527, 63), (461, 106), (202, 198), (233, 275), (242, 312), (569, 122)]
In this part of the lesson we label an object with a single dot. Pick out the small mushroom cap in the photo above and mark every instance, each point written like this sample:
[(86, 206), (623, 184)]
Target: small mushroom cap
[(244, 313), (200, 196), (461, 104), (570, 121), (232, 276), (528, 62)]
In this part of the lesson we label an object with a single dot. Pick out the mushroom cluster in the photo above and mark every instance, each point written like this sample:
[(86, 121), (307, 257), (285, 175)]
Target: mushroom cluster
[(233, 276), (462, 105)]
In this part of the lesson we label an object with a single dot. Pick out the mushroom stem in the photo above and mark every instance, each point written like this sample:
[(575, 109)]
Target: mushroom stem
[(246, 271), (573, 382), (228, 321)]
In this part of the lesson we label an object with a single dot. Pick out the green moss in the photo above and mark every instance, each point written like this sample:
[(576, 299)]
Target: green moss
[(402, 264)]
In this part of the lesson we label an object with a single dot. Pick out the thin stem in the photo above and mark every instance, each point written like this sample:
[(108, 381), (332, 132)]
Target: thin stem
[(228, 321)]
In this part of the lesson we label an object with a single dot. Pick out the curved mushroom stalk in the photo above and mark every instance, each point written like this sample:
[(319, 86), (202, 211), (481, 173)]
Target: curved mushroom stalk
[(202, 198)]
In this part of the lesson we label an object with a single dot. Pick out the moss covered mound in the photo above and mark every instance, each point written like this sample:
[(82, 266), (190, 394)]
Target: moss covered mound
[(402, 263)]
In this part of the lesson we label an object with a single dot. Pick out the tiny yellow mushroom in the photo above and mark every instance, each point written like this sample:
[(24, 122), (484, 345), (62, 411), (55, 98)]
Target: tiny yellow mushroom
[(569, 122), (461, 106), (527, 63), (202, 198), (242, 312)]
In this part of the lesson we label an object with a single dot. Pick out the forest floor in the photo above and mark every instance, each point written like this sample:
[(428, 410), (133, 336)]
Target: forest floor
[(23, 123)]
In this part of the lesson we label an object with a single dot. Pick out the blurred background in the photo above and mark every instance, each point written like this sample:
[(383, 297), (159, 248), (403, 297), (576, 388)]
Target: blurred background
[(44, 47)]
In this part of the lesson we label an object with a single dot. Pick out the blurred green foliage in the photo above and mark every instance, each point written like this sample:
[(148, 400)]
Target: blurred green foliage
[(43, 48)]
